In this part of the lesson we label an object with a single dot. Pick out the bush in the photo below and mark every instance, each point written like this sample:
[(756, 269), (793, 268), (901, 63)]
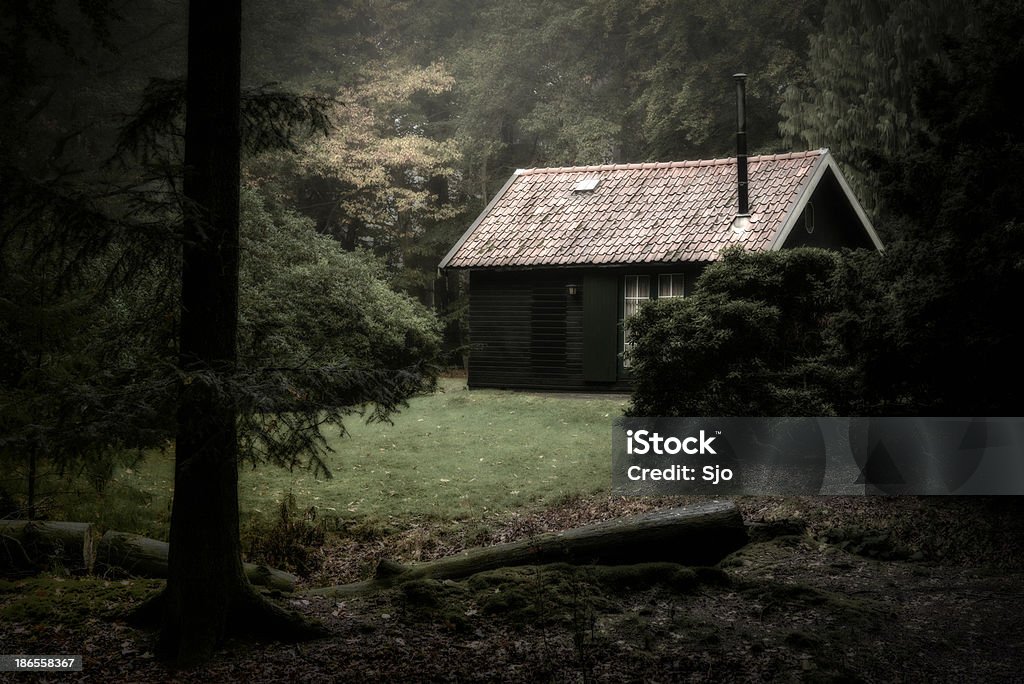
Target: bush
[(304, 301), (755, 340), (322, 335)]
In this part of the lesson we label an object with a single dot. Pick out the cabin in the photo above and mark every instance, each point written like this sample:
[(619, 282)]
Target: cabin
[(561, 257)]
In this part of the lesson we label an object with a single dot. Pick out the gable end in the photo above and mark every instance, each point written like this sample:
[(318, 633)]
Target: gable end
[(795, 218)]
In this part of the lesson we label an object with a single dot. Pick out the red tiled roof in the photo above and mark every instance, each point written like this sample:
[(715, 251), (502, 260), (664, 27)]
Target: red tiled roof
[(638, 213)]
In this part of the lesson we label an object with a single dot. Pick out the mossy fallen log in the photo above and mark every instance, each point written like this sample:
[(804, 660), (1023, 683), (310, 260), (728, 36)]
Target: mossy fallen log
[(36, 544), (702, 534), (144, 557)]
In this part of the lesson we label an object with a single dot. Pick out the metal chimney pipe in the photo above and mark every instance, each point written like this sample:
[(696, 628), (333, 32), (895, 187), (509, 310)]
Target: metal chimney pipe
[(741, 143)]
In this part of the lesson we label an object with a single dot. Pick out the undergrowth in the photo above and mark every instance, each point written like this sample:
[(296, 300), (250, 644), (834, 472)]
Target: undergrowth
[(292, 541)]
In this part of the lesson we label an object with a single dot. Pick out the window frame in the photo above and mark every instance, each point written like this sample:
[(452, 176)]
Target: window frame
[(676, 290), (638, 301), (673, 277)]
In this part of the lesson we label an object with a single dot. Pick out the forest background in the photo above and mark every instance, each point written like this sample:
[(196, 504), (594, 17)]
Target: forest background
[(375, 131)]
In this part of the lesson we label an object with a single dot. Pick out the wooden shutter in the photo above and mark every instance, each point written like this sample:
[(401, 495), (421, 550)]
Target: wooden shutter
[(600, 327)]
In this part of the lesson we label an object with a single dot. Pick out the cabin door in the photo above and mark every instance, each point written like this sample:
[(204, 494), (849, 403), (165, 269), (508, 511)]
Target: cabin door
[(600, 327)]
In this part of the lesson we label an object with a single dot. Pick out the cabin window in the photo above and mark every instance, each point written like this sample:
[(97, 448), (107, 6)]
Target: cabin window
[(636, 292), (670, 285), (809, 217)]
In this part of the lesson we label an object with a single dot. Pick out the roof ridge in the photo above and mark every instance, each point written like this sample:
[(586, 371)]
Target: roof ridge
[(670, 164)]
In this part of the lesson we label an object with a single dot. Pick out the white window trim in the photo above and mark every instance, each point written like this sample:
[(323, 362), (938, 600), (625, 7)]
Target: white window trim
[(626, 299), (652, 293)]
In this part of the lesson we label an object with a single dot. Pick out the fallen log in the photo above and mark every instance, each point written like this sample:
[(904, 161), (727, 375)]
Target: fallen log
[(691, 535), (144, 557), (25, 544)]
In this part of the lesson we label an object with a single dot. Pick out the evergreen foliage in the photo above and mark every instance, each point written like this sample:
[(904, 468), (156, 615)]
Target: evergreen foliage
[(321, 334), (856, 96), (84, 376), (915, 97), (752, 341), (947, 340), (88, 267)]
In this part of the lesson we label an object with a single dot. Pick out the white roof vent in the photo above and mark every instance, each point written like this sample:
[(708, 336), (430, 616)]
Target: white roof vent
[(586, 185)]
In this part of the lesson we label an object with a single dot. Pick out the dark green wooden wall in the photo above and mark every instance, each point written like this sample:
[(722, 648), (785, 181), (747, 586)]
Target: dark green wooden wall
[(528, 332)]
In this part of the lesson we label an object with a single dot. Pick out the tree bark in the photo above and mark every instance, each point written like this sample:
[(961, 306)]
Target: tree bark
[(204, 564), (207, 592), (69, 545), (145, 557), (692, 535)]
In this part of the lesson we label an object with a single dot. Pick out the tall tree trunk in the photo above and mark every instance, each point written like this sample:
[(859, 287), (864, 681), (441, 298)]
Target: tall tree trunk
[(207, 593), (204, 564)]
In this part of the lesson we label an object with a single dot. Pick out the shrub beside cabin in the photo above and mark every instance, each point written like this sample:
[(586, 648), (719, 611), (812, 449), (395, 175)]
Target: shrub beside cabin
[(562, 256)]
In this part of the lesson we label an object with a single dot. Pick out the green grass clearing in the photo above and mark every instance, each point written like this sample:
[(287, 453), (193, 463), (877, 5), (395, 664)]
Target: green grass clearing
[(454, 455), (459, 454)]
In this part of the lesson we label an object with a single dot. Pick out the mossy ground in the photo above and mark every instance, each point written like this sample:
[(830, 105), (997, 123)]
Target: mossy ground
[(788, 608), (70, 601), (650, 610)]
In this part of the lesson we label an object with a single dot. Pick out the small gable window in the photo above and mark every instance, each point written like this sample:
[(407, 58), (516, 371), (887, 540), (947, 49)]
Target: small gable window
[(809, 217)]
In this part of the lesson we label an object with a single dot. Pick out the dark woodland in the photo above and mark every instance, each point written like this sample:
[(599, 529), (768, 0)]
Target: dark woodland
[(220, 230)]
